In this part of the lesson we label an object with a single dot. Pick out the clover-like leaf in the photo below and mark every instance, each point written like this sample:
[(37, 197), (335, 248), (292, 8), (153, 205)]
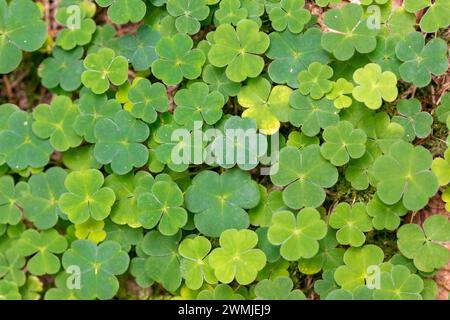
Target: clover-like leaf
[(298, 236), (220, 292), (436, 15), (385, 216), (289, 14), (55, 122), (343, 142), (140, 50), (40, 204), (416, 123), (349, 31), (239, 144), (267, 105), (218, 201), (11, 266), (304, 173), (423, 245), (162, 206), (9, 290), (384, 54), (278, 289), (195, 268), (127, 189), (123, 11), (399, 284), (236, 258), (441, 167), (356, 269), (421, 60), (91, 230), (64, 68), (163, 263), (443, 110), (20, 146), (230, 12), (292, 53), (238, 50), (218, 80), (311, 115), (338, 93), (351, 222), (118, 142), (43, 247), (197, 103), (145, 99), (86, 197), (22, 30), (93, 107), (404, 174), (188, 14), (76, 35), (315, 81), (374, 86), (177, 59), (329, 257), (10, 200), (99, 266), (103, 67)]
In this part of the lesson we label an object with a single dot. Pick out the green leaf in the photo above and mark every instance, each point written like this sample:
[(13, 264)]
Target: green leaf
[(349, 31), (92, 108), (162, 206), (278, 289), (177, 59), (385, 216), (10, 205), (351, 222), (292, 53), (312, 115), (55, 122), (123, 11), (99, 266), (188, 14), (103, 67), (146, 99), (374, 86), (163, 263), (399, 284), (71, 37), (22, 30), (86, 197), (217, 80), (197, 103), (298, 236), (236, 258), (289, 14), (9, 290), (194, 266), (218, 201), (343, 142), (267, 105), (119, 142), (356, 269), (315, 81), (421, 60), (230, 12), (415, 122), (140, 50), (43, 247), (20, 146), (404, 174), (424, 245), (441, 168), (41, 204), (220, 292), (63, 69), (436, 16), (304, 173), (238, 50)]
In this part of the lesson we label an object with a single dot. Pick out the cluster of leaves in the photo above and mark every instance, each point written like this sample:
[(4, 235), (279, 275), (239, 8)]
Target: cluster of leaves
[(89, 186)]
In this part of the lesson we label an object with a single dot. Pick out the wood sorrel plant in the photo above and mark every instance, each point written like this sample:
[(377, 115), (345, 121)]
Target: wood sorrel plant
[(223, 149)]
